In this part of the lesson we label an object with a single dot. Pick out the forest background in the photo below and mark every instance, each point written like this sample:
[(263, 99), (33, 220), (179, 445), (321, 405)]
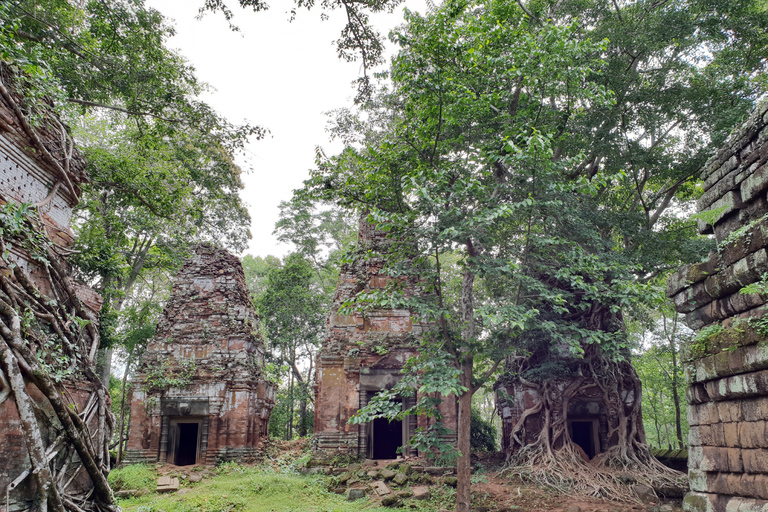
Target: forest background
[(668, 80)]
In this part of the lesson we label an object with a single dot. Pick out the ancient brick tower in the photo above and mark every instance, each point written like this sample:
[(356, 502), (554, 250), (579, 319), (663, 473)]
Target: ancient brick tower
[(727, 364), (361, 355), (200, 395)]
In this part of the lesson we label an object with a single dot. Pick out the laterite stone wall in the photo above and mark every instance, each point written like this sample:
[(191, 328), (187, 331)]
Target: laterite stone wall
[(727, 364)]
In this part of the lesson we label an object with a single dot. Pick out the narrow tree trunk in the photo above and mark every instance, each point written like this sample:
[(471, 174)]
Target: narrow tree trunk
[(104, 365), (303, 412), (675, 395), (463, 486), (463, 469), (121, 429), (289, 427)]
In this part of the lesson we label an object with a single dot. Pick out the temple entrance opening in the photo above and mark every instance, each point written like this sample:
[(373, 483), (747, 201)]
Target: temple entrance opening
[(584, 434), (387, 437), (184, 445)]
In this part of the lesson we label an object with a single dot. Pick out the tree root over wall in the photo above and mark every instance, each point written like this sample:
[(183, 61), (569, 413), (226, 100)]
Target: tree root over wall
[(48, 339), (554, 460), (47, 348)]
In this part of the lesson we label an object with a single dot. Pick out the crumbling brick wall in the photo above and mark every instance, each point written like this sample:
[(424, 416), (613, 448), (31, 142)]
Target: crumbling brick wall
[(727, 365), (363, 354), (204, 364), (26, 177)]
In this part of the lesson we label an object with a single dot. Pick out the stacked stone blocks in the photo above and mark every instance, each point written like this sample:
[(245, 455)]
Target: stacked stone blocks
[(727, 363)]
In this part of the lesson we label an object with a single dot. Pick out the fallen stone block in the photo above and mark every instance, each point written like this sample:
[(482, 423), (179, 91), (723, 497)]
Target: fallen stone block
[(392, 502), (400, 479), (355, 494), (380, 488), (421, 492), (167, 484)]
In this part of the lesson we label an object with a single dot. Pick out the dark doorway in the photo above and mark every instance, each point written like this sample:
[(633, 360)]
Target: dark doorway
[(387, 438), (583, 434), (186, 453)]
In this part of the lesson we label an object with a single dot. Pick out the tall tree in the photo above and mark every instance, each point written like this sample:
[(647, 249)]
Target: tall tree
[(549, 158), (161, 162), (292, 309)]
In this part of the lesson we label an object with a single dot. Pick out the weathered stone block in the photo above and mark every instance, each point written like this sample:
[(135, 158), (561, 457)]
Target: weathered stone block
[(712, 435), (738, 386), (692, 273), (694, 440), (734, 277), (755, 409), (755, 461), (720, 459), (697, 480), (729, 411), (691, 298), (754, 184), (721, 197), (731, 431), (752, 434)]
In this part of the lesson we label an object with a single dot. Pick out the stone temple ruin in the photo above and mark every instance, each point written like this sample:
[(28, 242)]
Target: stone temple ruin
[(727, 364), (27, 177), (200, 395), (587, 416), (361, 355)]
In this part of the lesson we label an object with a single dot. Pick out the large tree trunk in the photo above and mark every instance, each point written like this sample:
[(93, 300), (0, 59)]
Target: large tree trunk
[(46, 488), (463, 468), (104, 365)]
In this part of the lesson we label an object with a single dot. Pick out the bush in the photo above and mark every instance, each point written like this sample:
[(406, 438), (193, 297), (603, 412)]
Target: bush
[(135, 477), (482, 434)]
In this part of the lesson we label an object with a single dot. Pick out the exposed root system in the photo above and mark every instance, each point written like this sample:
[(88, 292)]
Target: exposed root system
[(48, 344), (550, 457)]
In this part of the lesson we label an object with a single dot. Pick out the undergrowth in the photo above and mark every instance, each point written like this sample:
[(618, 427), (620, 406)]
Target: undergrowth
[(264, 489), (136, 476)]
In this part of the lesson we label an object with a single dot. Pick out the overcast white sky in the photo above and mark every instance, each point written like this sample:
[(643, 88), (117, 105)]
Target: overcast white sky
[(276, 74)]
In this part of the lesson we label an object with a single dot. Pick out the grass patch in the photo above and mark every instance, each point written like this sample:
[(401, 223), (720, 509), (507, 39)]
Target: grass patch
[(138, 477), (261, 489)]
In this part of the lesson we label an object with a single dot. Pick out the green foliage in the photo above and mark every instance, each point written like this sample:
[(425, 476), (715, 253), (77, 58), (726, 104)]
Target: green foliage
[(160, 161), (760, 324), (655, 368), (169, 374), (557, 369), (482, 433), (700, 344), (292, 308), (760, 287), (256, 271), (138, 477)]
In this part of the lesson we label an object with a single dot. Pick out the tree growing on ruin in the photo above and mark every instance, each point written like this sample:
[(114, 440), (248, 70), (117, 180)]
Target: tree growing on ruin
[(548, 157), (48, 335)]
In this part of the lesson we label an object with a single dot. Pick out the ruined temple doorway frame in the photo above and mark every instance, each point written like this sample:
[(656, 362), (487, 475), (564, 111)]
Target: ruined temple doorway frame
[(584, 432), (368, 431), (185, 438)]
